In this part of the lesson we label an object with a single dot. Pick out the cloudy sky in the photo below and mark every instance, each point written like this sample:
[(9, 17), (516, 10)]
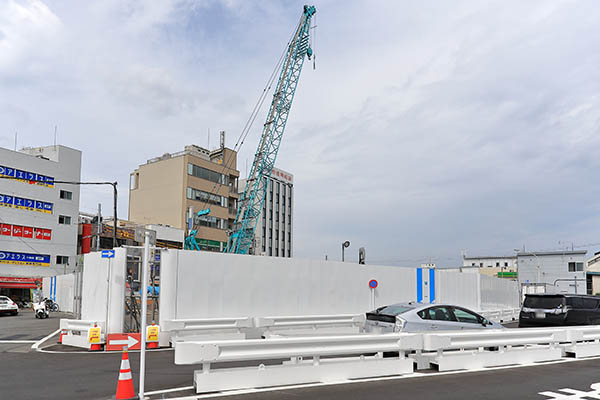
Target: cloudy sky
[(427, 127)]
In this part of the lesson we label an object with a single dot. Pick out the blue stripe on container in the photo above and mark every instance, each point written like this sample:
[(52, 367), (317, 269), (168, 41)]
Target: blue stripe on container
[(431, 285), (419, 285)]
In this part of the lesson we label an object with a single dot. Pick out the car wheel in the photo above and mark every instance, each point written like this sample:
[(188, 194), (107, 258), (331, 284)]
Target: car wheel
[(15, 313)]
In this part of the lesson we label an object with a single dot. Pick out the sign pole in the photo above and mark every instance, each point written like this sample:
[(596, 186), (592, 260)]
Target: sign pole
[(144, 285)]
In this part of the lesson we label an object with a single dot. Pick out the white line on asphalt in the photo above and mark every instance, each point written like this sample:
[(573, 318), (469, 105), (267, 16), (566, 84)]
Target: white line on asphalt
[(169, 390), (37, 344), (16, 341), (364, 380), (99, 352)]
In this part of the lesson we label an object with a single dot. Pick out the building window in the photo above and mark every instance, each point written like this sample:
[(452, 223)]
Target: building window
[(270, 251), (209, 221), (497, 264), (207, 174), (289, 253), (62, 260), (506, 264), (276, 252), (195, 194), (480, 265), (472, 264), (64, 194), (575, 266), (64, 220)]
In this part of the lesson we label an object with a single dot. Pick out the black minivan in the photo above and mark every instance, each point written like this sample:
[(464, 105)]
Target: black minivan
[(559, 310)]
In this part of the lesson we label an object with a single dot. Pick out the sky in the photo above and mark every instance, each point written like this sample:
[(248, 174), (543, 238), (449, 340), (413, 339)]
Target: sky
[(423, 130)]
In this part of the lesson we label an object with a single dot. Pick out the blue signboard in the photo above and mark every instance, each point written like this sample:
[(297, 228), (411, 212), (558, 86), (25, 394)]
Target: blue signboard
[(108, 254), (25, 204), (26, 176), (9, 257)]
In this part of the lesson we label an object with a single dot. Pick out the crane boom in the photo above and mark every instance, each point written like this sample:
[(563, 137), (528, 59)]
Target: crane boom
[(250, 204)]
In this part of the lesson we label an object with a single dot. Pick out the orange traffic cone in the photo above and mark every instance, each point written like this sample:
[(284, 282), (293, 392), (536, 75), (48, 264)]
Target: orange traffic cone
[(125, 384)]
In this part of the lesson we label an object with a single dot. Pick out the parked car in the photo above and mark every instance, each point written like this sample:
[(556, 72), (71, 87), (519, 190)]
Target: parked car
[(559, 310), (418, 317), (7, 306)]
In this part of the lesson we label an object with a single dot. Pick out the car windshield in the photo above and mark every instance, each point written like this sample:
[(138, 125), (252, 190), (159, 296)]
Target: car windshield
[(394, 310), (547, 302)]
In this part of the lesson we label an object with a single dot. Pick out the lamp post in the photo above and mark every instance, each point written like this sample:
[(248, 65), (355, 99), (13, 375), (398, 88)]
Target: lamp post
[(344, 245)]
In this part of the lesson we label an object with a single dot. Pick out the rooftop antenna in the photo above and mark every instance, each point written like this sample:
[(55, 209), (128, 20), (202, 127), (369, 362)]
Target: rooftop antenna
[(55, 127), (208, 145), (15, 140)]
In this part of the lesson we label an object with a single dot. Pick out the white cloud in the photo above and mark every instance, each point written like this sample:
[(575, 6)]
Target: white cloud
[(425, 129)]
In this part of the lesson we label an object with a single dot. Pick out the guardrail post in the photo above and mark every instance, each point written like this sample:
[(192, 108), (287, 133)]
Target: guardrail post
[(205, 368), (316, 360)]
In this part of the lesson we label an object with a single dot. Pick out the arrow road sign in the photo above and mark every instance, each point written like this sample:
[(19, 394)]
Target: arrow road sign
[(108, 254), (116, 341)]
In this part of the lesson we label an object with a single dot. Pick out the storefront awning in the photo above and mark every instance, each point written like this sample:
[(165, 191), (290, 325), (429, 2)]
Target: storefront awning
[(7, 282)]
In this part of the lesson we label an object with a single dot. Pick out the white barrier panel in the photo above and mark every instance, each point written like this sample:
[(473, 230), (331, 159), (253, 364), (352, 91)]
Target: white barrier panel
[(76, 332), (585, 341), (64, 291), (198, 285), (298, 370), (103, 291), (207, 329), (312, 324), (514, 347)]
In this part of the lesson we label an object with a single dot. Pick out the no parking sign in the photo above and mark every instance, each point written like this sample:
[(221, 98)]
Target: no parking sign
[(373, 283)]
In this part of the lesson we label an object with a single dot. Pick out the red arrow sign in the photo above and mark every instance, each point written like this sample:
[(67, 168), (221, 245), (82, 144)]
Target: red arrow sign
[(116, 341)]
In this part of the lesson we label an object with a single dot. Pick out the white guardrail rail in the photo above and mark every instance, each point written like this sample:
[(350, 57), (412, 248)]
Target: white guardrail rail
[(359, 356), (311, 324), (75, 332), (502, 316), (207, 329), (352, 357)]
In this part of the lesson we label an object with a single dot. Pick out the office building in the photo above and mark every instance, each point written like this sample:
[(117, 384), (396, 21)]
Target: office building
[(38, 215), (552, 271), (274, 234), (168, 188)]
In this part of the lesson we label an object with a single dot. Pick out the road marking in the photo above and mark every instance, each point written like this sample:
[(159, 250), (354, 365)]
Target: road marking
[(37, 344), (575, 394), (169, 390), (365, 380), (17, 341), (129, 342)]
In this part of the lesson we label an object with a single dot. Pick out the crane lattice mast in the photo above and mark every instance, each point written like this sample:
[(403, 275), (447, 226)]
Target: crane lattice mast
[(252, 199)]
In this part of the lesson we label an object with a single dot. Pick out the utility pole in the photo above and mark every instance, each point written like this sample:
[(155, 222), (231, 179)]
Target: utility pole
[(99, 227)]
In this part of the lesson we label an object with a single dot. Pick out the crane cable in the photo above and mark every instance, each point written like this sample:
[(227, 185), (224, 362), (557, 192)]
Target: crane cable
[(253, 115)]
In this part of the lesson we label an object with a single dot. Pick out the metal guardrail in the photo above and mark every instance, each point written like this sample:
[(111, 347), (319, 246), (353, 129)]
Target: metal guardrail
[(310, 321), (482, 338), (206, 324), (265, 349), (511, 314)]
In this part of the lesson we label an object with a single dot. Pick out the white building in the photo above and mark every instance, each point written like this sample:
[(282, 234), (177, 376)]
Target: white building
[(38, 216), (274, 234), (593, 274), (552, 271), (498, 266)]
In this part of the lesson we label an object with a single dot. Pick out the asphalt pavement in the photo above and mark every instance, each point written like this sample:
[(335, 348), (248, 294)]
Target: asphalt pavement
[(29, 374)]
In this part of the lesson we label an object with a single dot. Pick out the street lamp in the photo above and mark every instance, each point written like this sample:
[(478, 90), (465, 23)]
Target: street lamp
[(344, 245)]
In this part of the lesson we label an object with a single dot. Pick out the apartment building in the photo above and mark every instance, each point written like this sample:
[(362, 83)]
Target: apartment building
[(274, 234), (167, 189)]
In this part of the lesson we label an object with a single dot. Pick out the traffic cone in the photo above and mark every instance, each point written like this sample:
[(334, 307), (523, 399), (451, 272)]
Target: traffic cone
[(125, 383)]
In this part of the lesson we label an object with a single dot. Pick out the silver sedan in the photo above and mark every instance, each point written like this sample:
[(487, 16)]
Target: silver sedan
[(419, 317)]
